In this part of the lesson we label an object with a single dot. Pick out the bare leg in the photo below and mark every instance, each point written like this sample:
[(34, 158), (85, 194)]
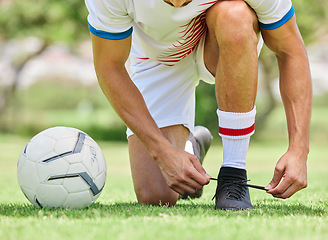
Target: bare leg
[(149, 184), (231, 54)]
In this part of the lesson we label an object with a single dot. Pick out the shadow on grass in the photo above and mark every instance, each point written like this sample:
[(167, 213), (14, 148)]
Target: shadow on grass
[(184, 208)]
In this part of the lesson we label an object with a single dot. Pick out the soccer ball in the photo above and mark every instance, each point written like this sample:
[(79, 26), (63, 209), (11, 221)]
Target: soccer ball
[(62, 167)]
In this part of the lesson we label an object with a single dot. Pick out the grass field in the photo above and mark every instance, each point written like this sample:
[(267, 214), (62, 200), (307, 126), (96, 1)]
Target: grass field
[(116, 215)]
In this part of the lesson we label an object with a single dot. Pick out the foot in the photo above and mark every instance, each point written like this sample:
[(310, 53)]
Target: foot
[(232, 192), (201, 141)]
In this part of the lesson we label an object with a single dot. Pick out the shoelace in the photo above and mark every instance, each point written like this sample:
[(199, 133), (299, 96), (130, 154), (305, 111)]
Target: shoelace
[(235, 192)]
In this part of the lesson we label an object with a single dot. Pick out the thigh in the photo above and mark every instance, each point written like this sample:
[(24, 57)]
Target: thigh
[(149, 183)]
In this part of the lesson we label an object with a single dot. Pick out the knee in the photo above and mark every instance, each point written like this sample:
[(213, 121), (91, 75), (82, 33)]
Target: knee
[(233, 22), (156, 198)]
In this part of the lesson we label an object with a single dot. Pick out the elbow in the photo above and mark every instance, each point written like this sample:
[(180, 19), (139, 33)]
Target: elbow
[(109, 71)]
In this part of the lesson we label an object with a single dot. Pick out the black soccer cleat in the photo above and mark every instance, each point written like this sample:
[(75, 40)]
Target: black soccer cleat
[(232, 192), (201, 141)]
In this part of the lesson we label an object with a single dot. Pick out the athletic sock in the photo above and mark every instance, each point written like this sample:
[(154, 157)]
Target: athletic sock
[(235, 130), (189, 147)]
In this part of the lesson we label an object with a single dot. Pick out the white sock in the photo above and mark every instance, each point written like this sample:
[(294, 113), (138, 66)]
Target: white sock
[(189, 147), (235, 130)]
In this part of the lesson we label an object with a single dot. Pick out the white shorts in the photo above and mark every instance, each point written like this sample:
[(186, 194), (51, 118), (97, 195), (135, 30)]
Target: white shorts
[(169, 91)]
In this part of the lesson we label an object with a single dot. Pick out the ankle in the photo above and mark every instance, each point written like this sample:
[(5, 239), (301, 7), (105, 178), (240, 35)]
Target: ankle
[(231, 172)]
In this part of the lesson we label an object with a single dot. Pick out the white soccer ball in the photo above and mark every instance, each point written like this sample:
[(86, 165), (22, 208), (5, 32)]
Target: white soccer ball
[(62, 167)]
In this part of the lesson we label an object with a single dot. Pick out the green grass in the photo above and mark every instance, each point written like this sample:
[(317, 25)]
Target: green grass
[(116, 215)]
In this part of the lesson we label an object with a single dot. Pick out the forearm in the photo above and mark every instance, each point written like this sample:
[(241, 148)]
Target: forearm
[(295, 81), (296, 93), (129, 104), (109, 59)]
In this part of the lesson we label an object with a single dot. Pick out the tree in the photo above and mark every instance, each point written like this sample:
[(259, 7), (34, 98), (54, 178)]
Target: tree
[(309, 15), (65, 21), (60, 20), (50, 21)]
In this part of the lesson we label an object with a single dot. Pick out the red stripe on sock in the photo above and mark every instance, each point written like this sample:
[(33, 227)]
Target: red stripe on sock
[(236, 132)]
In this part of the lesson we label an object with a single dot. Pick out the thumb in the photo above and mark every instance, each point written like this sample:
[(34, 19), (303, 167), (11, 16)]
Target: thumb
[(198, 166), (277, 176)]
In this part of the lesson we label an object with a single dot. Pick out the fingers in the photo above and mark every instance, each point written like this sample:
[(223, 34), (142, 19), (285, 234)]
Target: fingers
[(277, 176), (288, 187), (191, 178), (195, 162), (200, 175), (183, 186), (183, 191), (290, 184)]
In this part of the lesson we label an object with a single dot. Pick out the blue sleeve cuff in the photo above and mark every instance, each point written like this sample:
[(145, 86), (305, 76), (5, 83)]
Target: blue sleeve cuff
[(110, 35), (281, 22)]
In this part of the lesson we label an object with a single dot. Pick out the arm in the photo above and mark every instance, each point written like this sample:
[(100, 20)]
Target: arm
[(296, 93), (109, 60), (178, 167)]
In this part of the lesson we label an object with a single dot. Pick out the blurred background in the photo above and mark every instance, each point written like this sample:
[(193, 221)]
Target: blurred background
[(47, 76)]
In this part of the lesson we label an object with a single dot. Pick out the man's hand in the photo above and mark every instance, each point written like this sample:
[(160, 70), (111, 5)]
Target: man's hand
[(292, 169), (182, 171)]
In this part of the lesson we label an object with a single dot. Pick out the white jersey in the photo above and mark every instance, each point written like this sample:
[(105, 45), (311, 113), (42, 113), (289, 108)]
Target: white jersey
[(166, 34), (272, 14)]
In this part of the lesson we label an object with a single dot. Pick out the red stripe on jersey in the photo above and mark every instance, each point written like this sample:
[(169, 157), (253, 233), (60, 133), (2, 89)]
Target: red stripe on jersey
[(206, 4), (191, 33), (203, 4), (236, 132)]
